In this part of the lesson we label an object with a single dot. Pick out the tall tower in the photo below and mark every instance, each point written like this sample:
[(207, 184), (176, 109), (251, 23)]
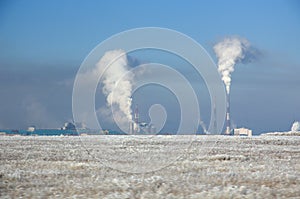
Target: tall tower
[(131, 127), (228, 130), (136, 128), (136, 114)]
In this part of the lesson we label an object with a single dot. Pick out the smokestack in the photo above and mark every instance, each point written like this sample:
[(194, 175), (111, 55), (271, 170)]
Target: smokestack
[(131, 127), (136, 127), (230, 51), (136, 114), (228, 130)]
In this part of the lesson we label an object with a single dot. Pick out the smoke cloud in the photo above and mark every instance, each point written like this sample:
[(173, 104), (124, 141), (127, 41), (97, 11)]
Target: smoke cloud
[(230, 51), (295, 127), (117, 88)]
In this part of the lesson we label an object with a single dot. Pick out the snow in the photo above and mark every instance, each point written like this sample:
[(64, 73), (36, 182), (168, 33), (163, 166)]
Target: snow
[(150, 167), (288, 133)]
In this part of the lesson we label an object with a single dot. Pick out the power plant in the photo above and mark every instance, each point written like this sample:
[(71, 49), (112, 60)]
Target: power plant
[(228, 130), (230, 51), (134, 125), (137, 127), (242, 132)]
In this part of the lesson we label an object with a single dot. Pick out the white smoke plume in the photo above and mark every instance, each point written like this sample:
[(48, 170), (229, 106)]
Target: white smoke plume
[(295, 127), (117, 87), (229, 52)]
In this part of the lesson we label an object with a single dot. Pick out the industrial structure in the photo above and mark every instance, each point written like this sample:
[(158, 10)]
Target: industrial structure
[(228, 123), (137, 127), (31, 128), (146, 128), (68, 126), (242, 132), (134, 125)]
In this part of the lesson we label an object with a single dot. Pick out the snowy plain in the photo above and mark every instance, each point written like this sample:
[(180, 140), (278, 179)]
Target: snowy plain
[(110, 166)]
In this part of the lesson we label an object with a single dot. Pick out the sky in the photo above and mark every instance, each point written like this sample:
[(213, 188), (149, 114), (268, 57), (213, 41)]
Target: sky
[(43, 43)]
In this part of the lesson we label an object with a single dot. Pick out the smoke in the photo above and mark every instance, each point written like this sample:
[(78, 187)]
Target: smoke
[(117, 88), (295, 127), (230, 51), (203, 126)]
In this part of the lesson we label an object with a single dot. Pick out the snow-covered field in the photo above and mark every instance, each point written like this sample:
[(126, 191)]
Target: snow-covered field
[(150, 167)]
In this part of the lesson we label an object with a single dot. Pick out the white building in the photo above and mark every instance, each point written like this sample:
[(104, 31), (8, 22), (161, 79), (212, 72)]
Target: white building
[(31, 129), (242, 131)]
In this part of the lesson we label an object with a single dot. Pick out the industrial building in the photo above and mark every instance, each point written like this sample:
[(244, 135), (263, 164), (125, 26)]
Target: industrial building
[(137, 127), (68, 126), (242, 132), (31, 128)]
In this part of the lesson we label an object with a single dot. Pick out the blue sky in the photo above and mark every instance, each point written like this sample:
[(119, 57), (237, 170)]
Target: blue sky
[(42, 44)]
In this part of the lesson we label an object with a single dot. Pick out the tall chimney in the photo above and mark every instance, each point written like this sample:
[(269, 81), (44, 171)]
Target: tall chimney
[(136, 120), (227, 131), (136, 114)]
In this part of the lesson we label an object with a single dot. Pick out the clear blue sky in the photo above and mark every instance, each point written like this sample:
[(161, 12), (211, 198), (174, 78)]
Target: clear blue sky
[(42, 44)]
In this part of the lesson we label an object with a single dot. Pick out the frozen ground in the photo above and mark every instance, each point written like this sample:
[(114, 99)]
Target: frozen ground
[(150, 167)]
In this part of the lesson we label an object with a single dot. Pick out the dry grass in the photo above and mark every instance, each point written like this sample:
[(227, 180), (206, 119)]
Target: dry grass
[(89, 167)]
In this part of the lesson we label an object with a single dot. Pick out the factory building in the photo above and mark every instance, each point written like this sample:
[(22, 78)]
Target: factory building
[(242, 132), (31, 129), (68, 126), (137, 127), (147, 128), (134, 127)]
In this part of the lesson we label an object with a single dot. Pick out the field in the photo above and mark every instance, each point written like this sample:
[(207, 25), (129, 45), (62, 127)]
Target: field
[(151, 167)]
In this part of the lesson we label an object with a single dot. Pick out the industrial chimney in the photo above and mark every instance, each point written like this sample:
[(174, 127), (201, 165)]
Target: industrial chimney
[(136, 126), (228, 130)]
